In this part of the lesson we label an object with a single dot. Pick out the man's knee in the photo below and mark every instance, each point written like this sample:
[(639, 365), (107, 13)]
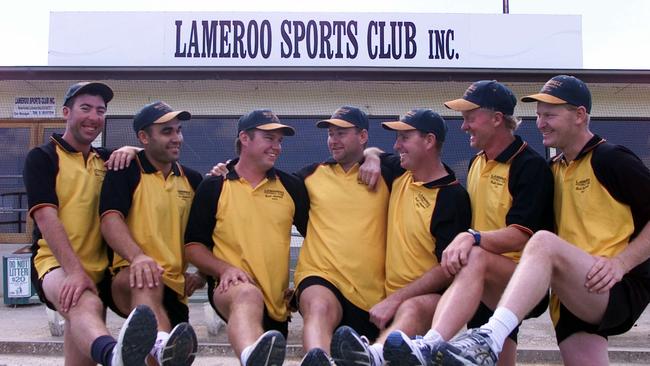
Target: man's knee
[(248, 294), (541, 243), (318, 305), (416, 307)]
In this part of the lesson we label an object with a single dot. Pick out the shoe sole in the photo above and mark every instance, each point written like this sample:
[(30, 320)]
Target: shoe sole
[(181, 346), (269, 351), (316, 359), (398, 353), (137, 336), (347, 350)]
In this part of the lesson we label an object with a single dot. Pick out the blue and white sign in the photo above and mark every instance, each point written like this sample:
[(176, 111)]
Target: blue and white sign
[(403, 40)]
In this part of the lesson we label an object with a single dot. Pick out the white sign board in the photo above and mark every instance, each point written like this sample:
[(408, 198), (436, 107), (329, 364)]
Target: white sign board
[(402, 40), (18, 277), (34, 107)]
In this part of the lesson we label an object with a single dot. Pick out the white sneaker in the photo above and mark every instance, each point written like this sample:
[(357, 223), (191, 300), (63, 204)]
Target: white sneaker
[(137, 336)]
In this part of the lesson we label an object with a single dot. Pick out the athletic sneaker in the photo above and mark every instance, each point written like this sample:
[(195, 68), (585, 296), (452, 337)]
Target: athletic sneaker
[(350, 349), (317, 357), (137, 336), (472, 347), (401, 350), (179, 349), (269, 350)]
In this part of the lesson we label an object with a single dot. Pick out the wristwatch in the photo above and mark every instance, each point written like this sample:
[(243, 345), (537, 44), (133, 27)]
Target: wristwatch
[(476, 235)]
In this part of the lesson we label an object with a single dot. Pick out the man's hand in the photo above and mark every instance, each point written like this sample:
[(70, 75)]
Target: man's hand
[(455, 256), (121, 158), (74, 285), (144, 271), (383, 312), (193, 282), (231, 277), (370, 170), (219, 170), (604, 274)]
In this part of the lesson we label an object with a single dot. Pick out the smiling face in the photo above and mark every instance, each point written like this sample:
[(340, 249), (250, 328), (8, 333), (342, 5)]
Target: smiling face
[(479, 124), (557, 123), (262, 147), (162, 142), (412, 148), (346, 144), (85, 120)]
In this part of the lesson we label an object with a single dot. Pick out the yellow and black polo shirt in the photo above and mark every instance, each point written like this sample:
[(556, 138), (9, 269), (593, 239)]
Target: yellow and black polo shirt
[(250, 228), (155, 209), (515, 189), (346, 234), (602, 201), (57, 175), (423, 218)]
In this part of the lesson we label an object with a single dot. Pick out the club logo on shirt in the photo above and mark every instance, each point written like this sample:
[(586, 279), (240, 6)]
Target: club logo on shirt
[(421, 201), (273, 194), (582, 184), (184, 195), (497, 180)]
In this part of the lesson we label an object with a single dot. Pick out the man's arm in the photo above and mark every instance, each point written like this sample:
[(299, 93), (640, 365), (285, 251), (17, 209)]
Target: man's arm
[(434, 280), (606, 272), (203, 259), (143, 269), (76, 280)]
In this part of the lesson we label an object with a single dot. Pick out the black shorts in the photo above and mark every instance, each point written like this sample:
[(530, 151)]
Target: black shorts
[(103, 288), (483, 314), (176, 310), (268, 323), (627, 301), (353, 316)]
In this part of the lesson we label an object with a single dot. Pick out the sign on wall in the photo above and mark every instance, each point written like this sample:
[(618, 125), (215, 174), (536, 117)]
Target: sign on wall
[(315, 40), (34, 107)]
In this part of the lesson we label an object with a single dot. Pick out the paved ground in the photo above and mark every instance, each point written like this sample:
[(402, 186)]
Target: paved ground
[(25, 339)]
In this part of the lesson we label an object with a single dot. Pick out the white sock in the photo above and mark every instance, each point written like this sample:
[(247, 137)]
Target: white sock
[(246, 353), (500, 325), (161, 338), (377, 352), (432, 336)]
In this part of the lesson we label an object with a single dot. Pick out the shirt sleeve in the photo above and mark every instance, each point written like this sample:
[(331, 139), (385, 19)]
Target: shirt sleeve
[(531, 188), (195, 178), (203, 214), (298, 192), (391, 168), (39, 176), (625, 177), (451, 216), (117, 190)]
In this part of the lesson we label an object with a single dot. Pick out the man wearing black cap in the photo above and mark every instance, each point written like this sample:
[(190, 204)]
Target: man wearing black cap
[(597, 265), (510, 187), (63, 178), (340, 271), (239, 233), (428, 208), (144, 211)]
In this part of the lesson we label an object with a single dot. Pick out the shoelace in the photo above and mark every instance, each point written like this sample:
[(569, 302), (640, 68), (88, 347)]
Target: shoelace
[(472, 338)]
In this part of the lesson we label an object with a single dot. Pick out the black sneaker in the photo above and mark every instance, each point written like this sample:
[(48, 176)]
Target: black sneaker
[(137, 336), (351, 349), (401, 350), (180, 348), (317, 357), (269, 350)]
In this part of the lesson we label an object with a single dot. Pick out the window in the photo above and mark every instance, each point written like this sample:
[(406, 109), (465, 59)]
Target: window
[(16, 139)]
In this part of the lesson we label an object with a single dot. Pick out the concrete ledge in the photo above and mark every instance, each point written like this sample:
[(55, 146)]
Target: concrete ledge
[(294, 351)]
